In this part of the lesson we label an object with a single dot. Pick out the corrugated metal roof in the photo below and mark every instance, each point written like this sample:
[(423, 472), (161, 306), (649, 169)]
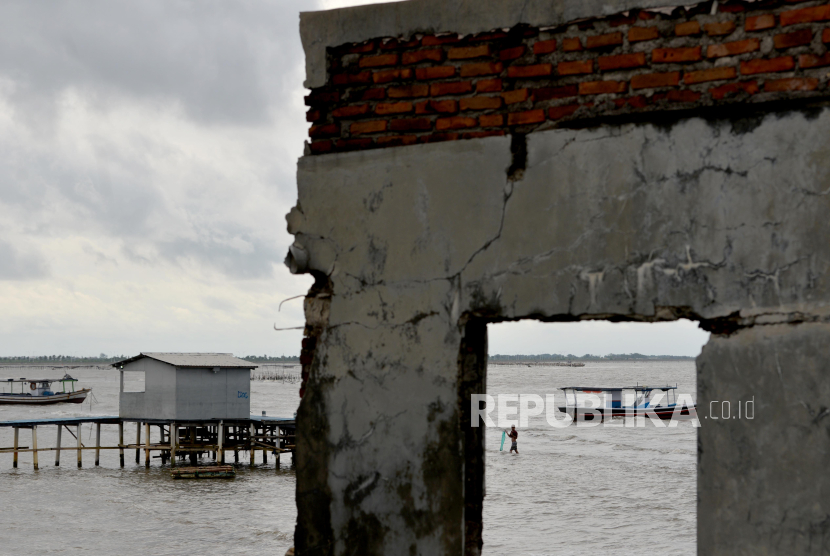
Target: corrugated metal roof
[(201, 360)]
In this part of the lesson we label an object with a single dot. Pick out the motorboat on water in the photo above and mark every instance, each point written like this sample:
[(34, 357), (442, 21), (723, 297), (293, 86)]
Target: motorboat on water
[(586, 403), (38, 391)]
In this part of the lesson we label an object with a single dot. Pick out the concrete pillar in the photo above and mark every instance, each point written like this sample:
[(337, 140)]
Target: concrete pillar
[(174, 441), (147, 445), (80, 446), (121, 442), (97, 444), (220, 439), (251, 435), (58, 447), (34, 447), (138, 442), (764, 442)]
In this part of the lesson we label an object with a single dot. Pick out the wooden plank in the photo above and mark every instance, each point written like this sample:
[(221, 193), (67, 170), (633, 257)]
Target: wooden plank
[(207, 472)]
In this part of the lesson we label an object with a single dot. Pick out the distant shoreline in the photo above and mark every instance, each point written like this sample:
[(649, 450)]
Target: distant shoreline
[(72, 361), (564, 362), (552, 358)]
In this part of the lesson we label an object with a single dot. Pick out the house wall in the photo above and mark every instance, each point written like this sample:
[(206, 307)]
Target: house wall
[(718, 215), (159, 396), (205, 394), (181, 394)]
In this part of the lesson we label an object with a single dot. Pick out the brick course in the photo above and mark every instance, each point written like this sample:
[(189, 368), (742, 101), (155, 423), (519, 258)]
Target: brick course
[(391, 92)]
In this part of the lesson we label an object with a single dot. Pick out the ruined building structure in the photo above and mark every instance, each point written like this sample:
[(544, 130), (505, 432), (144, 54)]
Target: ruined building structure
[(477, 161)]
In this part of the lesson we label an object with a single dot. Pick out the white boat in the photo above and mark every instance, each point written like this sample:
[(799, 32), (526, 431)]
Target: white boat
[(655, 402), (38, 391)]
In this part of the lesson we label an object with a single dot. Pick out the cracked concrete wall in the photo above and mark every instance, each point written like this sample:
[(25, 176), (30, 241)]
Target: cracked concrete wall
[(762, 482), (723, 221)]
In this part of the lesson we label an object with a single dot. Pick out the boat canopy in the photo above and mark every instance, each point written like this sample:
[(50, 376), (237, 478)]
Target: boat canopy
[(66, 378)]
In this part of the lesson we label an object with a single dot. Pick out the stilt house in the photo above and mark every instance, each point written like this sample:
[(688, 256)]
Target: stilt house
[(187, 386)]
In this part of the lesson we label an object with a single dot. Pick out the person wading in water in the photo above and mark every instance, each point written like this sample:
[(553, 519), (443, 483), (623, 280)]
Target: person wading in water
[(513, 434)]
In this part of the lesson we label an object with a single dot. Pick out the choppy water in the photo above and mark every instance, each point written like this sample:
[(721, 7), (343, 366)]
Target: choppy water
[(581, 490), (68, 511), (571, 491)]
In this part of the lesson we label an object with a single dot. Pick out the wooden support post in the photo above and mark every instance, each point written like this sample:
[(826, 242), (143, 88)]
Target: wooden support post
[(192, 445), (220, 437), (174, 441), (236, 444), (279, 446), (121, 442), (251, 433), (80, 463), (97, 444), (34, 446), (138, 442), (16, 444), (147, 445), (58, 447), (161, 441)]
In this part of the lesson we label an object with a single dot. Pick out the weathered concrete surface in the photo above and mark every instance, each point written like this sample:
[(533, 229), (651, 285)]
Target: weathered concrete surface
[(723, 221), (763, 482), (324, 29)]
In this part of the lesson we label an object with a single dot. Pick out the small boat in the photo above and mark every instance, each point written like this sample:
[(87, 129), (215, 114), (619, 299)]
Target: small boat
[(38, 391), (214, 472), (656, 402)]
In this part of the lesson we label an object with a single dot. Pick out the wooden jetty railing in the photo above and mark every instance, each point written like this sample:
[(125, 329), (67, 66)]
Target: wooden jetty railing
[(176, 440)]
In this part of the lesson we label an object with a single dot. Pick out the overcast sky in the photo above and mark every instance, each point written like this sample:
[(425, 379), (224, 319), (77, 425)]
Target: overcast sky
[(148, 159)]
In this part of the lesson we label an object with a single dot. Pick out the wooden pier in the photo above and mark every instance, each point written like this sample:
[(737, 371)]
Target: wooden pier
[(174, 442)]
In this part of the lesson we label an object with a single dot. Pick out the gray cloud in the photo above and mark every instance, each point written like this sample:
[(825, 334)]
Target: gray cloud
[(16, 264), (256, 261), (222, 62), (214, 64)]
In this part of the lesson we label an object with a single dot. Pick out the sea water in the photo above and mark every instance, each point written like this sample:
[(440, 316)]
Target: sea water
[(593, 489), (569, 491)]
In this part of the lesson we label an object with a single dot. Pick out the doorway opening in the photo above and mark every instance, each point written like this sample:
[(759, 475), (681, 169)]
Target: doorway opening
[(580, 486)]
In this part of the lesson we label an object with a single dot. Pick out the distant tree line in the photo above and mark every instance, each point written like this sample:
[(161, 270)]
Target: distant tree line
[(104, 358), (269, 359), (60, 359), (588, 357)]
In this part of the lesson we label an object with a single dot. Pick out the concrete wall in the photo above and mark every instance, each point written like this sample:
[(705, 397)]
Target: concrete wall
[(720, 217), (722, 221)]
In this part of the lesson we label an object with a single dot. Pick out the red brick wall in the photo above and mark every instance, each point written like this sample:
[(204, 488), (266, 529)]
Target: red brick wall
[(386, 92)]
